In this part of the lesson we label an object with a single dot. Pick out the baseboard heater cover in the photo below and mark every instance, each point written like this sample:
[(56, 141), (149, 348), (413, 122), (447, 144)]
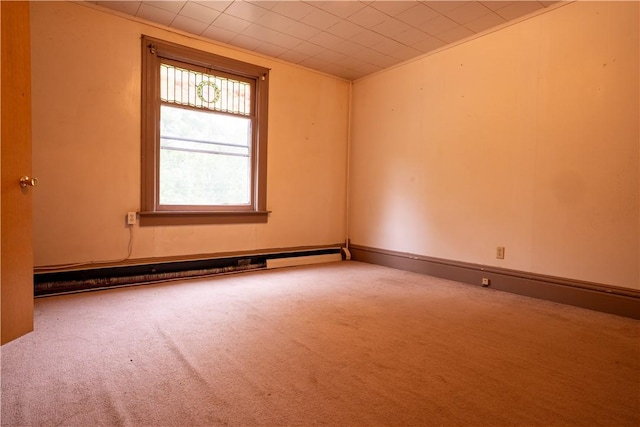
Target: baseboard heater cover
[(594, 296), (55, 283), (303, 260)]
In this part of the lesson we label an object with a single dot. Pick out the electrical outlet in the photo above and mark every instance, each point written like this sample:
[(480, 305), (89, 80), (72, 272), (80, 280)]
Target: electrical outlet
[(131, 218), (500, 252), (485, 281)]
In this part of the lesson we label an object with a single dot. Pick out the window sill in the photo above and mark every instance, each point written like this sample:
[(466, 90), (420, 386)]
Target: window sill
[(197, 218)]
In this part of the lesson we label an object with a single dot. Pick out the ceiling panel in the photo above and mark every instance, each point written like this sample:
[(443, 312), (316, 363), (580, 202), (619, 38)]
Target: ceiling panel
[(349, 39)]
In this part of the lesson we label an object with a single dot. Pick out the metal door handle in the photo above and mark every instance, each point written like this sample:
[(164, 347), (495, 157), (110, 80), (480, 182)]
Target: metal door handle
[(26, 181)]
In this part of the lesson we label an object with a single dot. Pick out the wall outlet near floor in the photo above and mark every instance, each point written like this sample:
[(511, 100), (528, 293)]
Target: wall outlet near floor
[(131, 218), (500, 252), (485, 281)]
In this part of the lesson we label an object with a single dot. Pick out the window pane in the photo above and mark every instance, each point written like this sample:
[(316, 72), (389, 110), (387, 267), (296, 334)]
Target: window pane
[(205, 158), (196, 89)]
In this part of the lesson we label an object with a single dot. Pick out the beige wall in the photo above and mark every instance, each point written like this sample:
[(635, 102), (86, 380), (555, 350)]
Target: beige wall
[(86, 143), (527, 138)]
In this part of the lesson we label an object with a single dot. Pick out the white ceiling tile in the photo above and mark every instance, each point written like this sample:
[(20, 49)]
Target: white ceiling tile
[(343, 9), (293, 56), (366, 55), (302, 31), (429, 44), (444, 6), (189, 25), (293, 9), (348, 47), (215, 5), (382, 60), (284, 40), (392, 8), (455, 34), (387, 46), (275, 21), (337, 70), (231, 23), (310, 49), (391, 27), (320, 19), (518, 9), (468, 12), (246, 42), (405, 53), (170, 6), (495, 5), (312, 62), (128, 7), (439, 25), (367, 38), (220, 34), (367, 68), (270, 50), (345, 38), (260, 33), (351, 63), (264, 3), (417, 15), (368, 17), (154, 14), (330, 56), (345, 29), (411, 36), (199, 12), (315, 3), (485, 22), (326, 39), (244, 10)]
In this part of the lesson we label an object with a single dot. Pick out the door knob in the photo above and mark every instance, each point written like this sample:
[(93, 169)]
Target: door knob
[(26, 181)]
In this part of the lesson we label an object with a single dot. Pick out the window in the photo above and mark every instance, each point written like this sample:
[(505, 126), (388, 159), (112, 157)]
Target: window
[(204, 137)]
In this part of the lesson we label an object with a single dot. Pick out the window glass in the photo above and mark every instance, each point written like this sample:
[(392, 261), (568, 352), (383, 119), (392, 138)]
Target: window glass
[(205, 158), (198, 89)]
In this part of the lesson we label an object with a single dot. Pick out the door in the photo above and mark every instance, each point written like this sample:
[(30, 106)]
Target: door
[(16, 253)]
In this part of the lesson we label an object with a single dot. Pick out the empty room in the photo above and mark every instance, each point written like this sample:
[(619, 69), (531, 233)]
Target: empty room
[(344, 213)]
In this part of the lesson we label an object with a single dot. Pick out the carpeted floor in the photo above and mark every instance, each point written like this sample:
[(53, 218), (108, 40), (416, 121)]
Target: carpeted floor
[(342, 344)]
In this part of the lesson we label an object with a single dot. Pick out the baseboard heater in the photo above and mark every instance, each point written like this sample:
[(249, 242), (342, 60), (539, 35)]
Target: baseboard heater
[(78, 280)]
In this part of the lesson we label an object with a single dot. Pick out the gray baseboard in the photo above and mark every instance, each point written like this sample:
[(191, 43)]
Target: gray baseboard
[(594, 296)]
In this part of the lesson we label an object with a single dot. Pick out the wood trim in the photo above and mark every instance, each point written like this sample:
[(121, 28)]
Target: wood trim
[(197, 218), (178, 52), (594, 296), (154, 49), (260, 153), (148, 131)]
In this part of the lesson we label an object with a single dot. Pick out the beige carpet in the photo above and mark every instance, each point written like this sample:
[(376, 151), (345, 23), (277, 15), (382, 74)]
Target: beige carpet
[(343, 344)]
